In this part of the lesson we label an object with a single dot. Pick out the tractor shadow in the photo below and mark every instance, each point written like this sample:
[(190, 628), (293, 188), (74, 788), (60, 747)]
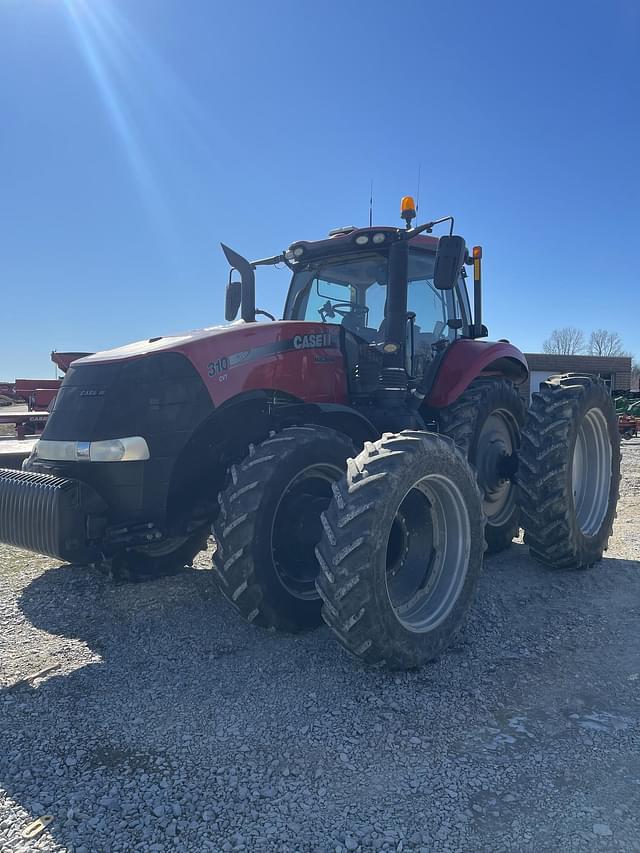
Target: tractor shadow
[(162, 681)]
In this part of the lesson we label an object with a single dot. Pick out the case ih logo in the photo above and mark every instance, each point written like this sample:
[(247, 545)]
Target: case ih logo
[(312, 341), (320, 340)]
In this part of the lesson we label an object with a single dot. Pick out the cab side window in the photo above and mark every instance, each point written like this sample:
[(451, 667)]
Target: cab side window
[(430, 306)]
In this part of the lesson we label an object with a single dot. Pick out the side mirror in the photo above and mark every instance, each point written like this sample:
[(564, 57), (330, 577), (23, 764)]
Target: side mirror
[(450, 258), (232, 299), (247, 299)]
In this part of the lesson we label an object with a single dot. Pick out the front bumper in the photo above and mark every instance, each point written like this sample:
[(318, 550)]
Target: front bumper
[(56, 516)]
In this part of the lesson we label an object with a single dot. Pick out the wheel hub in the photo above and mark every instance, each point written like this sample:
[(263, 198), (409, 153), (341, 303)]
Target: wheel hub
[(410, 549), (427, 553), (491, 467), (496, 462)]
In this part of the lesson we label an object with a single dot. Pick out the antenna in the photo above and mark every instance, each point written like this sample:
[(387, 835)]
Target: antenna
[(418, 192), (371, 204)]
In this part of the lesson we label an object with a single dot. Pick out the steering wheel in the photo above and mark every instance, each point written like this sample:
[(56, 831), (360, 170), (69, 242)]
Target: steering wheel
[(330, 309)]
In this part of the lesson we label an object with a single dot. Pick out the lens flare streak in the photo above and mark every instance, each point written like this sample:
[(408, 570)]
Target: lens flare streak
[(142, 96)]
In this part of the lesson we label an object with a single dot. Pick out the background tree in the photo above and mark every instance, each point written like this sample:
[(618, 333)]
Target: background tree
[(606, 343), (635, 375), (565, 341)]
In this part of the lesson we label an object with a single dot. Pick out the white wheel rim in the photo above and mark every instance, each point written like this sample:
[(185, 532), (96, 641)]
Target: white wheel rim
[(591, 471), (439, 576)]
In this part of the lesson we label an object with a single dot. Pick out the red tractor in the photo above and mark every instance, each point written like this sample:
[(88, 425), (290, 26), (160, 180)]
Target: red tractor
[(354, 459)]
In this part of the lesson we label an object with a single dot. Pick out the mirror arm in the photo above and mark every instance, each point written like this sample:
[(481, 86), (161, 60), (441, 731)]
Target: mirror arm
[(272, 261), (428, 227)]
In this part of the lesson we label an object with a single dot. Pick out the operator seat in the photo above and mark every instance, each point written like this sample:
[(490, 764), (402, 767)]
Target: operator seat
[(352, 322)]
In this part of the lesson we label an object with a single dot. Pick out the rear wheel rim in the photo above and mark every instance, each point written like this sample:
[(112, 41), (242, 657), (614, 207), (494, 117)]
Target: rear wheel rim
[(591, 471), (428, 552), (296, 528), (496, 448)]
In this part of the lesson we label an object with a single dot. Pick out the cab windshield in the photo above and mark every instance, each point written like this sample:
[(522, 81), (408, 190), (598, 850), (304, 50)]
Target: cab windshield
[(352, 291)]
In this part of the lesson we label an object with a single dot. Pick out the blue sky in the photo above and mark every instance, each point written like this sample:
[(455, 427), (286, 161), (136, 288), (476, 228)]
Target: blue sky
[(134, 136)]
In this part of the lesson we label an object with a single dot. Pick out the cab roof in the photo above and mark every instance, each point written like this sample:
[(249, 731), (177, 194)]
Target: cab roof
[(359, 239)]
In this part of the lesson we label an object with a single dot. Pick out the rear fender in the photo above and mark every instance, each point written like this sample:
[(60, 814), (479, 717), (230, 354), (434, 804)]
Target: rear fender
[(466, 360)]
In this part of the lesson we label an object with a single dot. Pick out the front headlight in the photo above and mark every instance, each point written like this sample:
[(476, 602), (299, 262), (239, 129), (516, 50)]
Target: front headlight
[(133, 449)]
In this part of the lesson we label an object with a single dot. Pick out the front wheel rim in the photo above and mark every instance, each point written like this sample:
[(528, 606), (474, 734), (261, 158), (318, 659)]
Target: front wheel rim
[(591, 472), (424, 584), (296, 528), (163, 548)]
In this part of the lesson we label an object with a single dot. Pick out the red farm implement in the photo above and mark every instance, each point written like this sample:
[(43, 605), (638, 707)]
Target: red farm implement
[(628, 426), (39, 396)]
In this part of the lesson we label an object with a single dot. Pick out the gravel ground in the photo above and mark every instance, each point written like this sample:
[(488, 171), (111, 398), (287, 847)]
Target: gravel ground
[(150, 718)]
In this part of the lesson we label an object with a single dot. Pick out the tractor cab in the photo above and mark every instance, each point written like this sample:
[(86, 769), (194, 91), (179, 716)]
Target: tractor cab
[(346, 281), (398, 295)]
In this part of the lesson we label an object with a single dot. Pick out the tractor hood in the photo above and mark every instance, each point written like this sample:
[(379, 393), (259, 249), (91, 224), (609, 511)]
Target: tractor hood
[(164, 389), (288, 356), (163, 343)]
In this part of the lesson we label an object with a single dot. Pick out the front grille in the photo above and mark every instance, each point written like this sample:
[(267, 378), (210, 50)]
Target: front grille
[(48, 515)]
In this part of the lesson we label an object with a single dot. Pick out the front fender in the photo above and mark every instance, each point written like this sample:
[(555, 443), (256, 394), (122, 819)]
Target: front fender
[(465, 360), (342, 418)]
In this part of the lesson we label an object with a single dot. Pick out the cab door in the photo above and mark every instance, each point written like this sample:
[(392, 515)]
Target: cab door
[(432, 309)]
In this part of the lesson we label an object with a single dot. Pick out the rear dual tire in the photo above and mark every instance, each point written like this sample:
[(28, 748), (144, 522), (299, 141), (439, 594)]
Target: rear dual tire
[(569, 475), (485, 422)]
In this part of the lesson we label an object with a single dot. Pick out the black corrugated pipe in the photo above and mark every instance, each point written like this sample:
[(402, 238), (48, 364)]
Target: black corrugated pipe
[(396, 307)]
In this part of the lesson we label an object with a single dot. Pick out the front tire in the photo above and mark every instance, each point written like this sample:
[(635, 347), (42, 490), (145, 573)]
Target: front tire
[(569, 476), (269, 524), (401, 550), (486, 422), (162, 559)]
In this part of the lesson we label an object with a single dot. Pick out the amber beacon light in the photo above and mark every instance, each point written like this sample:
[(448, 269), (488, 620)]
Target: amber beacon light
[(408, 209)]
